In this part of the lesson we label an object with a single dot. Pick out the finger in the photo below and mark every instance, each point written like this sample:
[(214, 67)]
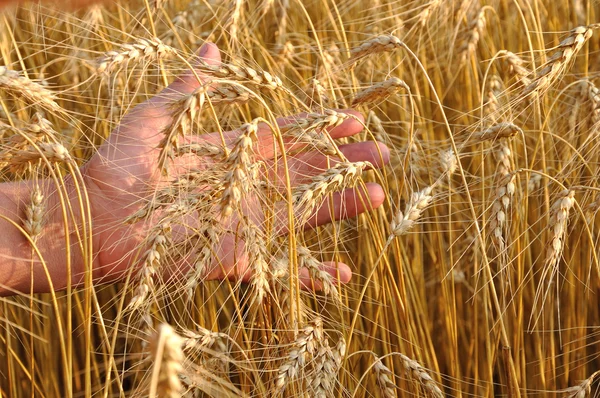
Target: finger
[(265, 146), (305, 166), (348, 204), (190, 81), (339, 206), (340, 272), (145, 123)]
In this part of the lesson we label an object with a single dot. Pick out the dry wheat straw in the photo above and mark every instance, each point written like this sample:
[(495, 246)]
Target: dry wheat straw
[(165, 346), (34, 93), (379, 92), (143, 50), (559, 60), (379, 44)]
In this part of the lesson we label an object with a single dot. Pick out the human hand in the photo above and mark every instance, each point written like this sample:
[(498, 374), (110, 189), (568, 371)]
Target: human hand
[(125, 172)]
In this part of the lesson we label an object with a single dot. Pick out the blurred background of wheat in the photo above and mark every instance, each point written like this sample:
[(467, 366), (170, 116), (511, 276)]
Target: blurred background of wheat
[(486, 284)]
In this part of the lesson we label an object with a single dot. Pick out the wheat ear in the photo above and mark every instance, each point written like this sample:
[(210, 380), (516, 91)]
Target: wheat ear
[(165, 346), (380, 91)]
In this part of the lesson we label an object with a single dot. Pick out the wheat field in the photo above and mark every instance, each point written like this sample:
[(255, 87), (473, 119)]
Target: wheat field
[(475, 256)]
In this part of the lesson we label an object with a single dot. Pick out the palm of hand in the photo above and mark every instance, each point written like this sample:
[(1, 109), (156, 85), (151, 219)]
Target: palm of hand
[(125, 172)]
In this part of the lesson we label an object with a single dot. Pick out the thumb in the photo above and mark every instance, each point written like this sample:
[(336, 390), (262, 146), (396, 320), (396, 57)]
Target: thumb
[(188, 82)]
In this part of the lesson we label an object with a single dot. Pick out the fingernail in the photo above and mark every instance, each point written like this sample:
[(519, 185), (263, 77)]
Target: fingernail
[(203, 50)]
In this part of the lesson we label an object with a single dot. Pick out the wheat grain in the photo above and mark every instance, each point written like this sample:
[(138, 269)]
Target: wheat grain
[(185, 112), (306, 259), (311, 129), (257, 259), (426, 13), (505, 190), (52, 151), (559, 217), (583, 390), (516, 68), (495, 132), (325, 369)]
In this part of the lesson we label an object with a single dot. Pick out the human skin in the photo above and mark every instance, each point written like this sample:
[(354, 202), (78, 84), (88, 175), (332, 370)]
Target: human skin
[(124, 172)]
